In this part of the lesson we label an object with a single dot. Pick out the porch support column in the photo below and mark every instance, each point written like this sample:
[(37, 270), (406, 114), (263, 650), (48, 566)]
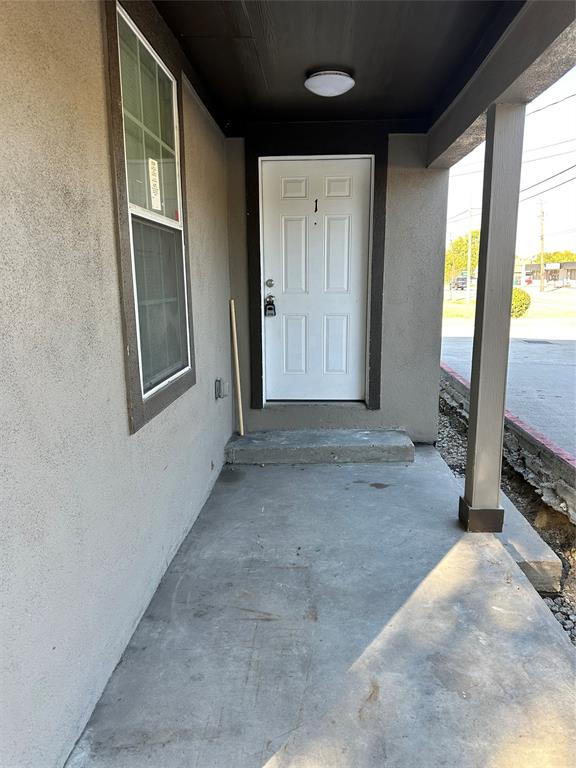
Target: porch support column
[(480, 508)]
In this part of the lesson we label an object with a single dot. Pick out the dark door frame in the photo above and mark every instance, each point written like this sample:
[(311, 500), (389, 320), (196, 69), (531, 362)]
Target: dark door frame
[(304, 139)]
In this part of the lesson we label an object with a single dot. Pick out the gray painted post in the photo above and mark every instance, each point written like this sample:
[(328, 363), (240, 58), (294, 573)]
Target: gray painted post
[(480, 508)]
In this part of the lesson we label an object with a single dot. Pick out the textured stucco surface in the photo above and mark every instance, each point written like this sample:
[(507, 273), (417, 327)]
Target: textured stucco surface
[(90, 515), (413, 278), (412, 301)]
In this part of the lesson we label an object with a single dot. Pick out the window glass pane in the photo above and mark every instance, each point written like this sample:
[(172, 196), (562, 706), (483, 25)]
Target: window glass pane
[(129, 69), (152, 265), (166, 109), (135, 165), (161, 301), (169, 184), (150, 116), (149, 127), (172, 278)]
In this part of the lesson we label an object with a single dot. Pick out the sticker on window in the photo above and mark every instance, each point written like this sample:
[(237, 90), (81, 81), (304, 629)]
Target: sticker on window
[(154, 179)]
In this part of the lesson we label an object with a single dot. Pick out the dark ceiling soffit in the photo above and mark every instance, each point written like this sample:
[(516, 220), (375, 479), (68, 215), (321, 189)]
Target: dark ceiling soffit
[(145, 12), (488, 40), (382, 127), (145, 15), (238, 19), (534, 52)]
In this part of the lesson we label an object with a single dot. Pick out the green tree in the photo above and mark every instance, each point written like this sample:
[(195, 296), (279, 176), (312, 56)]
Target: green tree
[(457, 256), (554, 256)]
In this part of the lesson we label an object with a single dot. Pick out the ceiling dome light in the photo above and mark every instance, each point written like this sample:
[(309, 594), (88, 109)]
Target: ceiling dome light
[(329, 82)]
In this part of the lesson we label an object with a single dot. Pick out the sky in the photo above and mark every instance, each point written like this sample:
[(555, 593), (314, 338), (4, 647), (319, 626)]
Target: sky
[(549, 149)]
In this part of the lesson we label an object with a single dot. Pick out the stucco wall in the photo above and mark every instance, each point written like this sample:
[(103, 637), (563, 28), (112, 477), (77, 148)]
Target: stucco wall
[(416, 204), (90, 516), (416, 201)]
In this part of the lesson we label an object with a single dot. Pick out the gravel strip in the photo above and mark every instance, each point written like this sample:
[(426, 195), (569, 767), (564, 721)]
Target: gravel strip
[(564, 612)]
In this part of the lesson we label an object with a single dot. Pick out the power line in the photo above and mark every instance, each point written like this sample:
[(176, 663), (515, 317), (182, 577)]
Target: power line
[(530, 197), (533, 112), (542, 275), (543, 192), (472, 212), (537, 194), (561, 232), (530, 160), (549, 157), (548, 179), (531, 149), (547, 146), (463, 214), (463, 218), (457, 215), (552, 104)]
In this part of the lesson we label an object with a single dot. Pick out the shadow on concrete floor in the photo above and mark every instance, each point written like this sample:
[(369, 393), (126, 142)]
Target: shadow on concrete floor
[(337, 617)]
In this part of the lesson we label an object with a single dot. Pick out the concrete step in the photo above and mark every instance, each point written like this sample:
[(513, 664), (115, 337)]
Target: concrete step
[(539, 563), (534, 557), (320, 446)]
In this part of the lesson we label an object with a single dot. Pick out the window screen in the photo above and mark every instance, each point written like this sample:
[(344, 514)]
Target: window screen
[(161, 301), (151, 153)]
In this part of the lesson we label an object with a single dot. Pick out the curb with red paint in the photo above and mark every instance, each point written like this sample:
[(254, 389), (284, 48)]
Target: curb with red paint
[(515, 421)]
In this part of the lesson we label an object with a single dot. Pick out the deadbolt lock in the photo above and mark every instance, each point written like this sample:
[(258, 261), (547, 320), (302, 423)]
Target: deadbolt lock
[(269, 306)]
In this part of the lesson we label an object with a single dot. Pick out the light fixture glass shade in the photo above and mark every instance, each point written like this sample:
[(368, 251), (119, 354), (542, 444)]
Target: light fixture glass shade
[(329, 83)]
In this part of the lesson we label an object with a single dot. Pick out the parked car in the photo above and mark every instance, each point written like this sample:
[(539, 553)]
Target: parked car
[(459, 283)]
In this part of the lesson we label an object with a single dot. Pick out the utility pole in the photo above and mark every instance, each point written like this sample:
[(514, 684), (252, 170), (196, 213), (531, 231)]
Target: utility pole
[(541, 246), (451, 279), (469, 261)]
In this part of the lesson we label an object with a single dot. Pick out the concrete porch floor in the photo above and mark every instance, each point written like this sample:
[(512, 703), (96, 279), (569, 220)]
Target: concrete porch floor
[(327, 616)]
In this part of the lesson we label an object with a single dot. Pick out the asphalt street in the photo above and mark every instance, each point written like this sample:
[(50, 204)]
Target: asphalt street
[(541, 387)]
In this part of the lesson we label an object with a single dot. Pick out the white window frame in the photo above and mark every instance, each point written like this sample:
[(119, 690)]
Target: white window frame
[(155, 217)]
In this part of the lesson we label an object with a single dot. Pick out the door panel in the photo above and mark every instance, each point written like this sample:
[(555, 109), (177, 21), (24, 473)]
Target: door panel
[(294, 343), (294, 254), (337, 254), (336, 343), (315, 232)]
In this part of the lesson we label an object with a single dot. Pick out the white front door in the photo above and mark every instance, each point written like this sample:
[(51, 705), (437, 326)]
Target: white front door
[(316, 235)]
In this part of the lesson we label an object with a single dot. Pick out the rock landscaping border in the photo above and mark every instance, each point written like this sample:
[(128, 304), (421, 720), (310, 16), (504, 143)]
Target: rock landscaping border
[(547, 467)]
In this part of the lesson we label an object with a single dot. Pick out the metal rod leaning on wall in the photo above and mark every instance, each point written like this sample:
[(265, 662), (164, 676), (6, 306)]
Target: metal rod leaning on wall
[(236, 360)]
